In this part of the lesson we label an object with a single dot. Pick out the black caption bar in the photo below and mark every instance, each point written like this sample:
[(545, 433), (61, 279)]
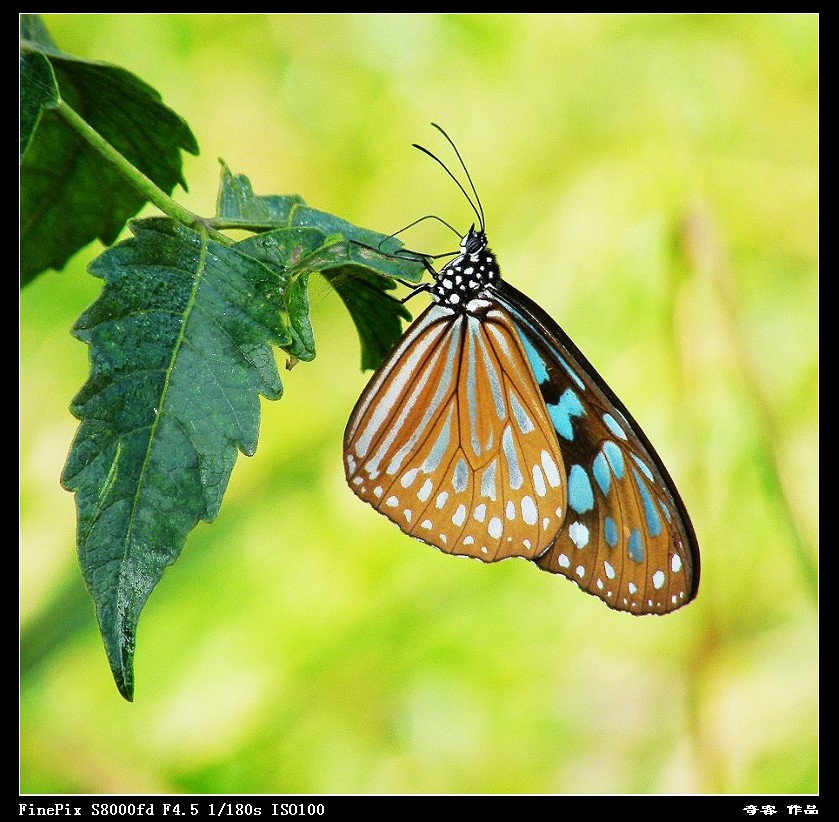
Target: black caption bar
[(331, 807)]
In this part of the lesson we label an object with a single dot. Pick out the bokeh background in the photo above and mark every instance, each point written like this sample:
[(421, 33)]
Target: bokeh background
[(652, 181)]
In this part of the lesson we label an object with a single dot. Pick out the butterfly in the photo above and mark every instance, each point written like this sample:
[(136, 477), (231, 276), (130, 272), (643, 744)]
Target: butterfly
[(487, 433)]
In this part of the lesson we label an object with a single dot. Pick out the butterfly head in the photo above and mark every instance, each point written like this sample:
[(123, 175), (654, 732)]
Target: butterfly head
[(465, 278)]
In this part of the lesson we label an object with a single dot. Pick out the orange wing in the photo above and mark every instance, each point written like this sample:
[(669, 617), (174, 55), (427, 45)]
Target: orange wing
[(451, 440)]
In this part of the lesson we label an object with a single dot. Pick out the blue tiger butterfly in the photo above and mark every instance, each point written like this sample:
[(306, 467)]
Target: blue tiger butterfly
[(487, 433)]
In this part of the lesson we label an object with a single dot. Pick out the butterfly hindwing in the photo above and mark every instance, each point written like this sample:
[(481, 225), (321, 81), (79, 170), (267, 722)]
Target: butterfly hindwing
[(626, 538)]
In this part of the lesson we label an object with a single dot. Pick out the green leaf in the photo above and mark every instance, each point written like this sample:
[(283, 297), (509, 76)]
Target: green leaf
[(38, 90), (238, 203), (301, 251), (297, 306), (68, 195), (285, 251), (377, 315), (179, 350), (359, 264), (366, 245), (342, 242), (33, 29)]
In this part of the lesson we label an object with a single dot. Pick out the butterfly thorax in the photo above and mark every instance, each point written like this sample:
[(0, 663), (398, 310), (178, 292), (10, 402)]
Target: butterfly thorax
[(465, 277)]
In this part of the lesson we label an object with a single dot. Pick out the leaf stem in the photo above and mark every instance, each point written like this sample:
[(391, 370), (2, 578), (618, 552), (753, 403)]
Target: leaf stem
[(244, 225), (135, 177)]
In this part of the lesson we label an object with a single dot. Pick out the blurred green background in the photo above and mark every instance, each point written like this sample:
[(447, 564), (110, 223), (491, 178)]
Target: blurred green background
[(652, 181)]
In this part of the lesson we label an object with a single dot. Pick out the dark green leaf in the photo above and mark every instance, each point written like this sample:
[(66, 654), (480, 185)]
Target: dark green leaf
[(38, 90), (236, 200), (360, 264), (302, 345), (179, 350), (342, 241), (32, 28), (68, 195), (377, 315), (285, 251), (238, 203), (280, 206), (330, 224), (306, 250)]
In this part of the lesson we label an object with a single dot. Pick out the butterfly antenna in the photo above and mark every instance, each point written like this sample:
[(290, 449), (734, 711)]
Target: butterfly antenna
[(478, 213), (428, 217), (480, 210)]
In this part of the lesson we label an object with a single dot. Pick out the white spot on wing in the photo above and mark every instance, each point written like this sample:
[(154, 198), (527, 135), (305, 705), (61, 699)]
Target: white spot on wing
[(539, 481), (425, 491), (514, 474), (488, 480), (528, 510), (460, 476), (551, 471), (579, 534), (524, 422)]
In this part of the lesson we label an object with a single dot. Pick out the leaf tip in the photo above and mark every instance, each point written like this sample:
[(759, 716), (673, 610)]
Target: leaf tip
[(123, 669), (126, 690)]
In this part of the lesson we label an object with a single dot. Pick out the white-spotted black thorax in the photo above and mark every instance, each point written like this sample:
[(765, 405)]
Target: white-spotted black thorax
[(464, 278)]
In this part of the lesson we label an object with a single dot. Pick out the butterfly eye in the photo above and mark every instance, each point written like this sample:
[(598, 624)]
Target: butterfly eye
[(487, 433)]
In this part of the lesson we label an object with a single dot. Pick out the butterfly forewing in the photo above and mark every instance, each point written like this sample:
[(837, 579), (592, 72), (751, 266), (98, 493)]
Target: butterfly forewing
[(452, 441), (626, 537)]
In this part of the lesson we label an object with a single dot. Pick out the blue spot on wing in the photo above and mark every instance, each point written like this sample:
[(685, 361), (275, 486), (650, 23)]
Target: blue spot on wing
[(614, 456), (610, 531), (645, 469), (613, 426), (650, 512), (568, 406), (580, 494), (600, 469), (635, 547), (571, 372), (536, 362)]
